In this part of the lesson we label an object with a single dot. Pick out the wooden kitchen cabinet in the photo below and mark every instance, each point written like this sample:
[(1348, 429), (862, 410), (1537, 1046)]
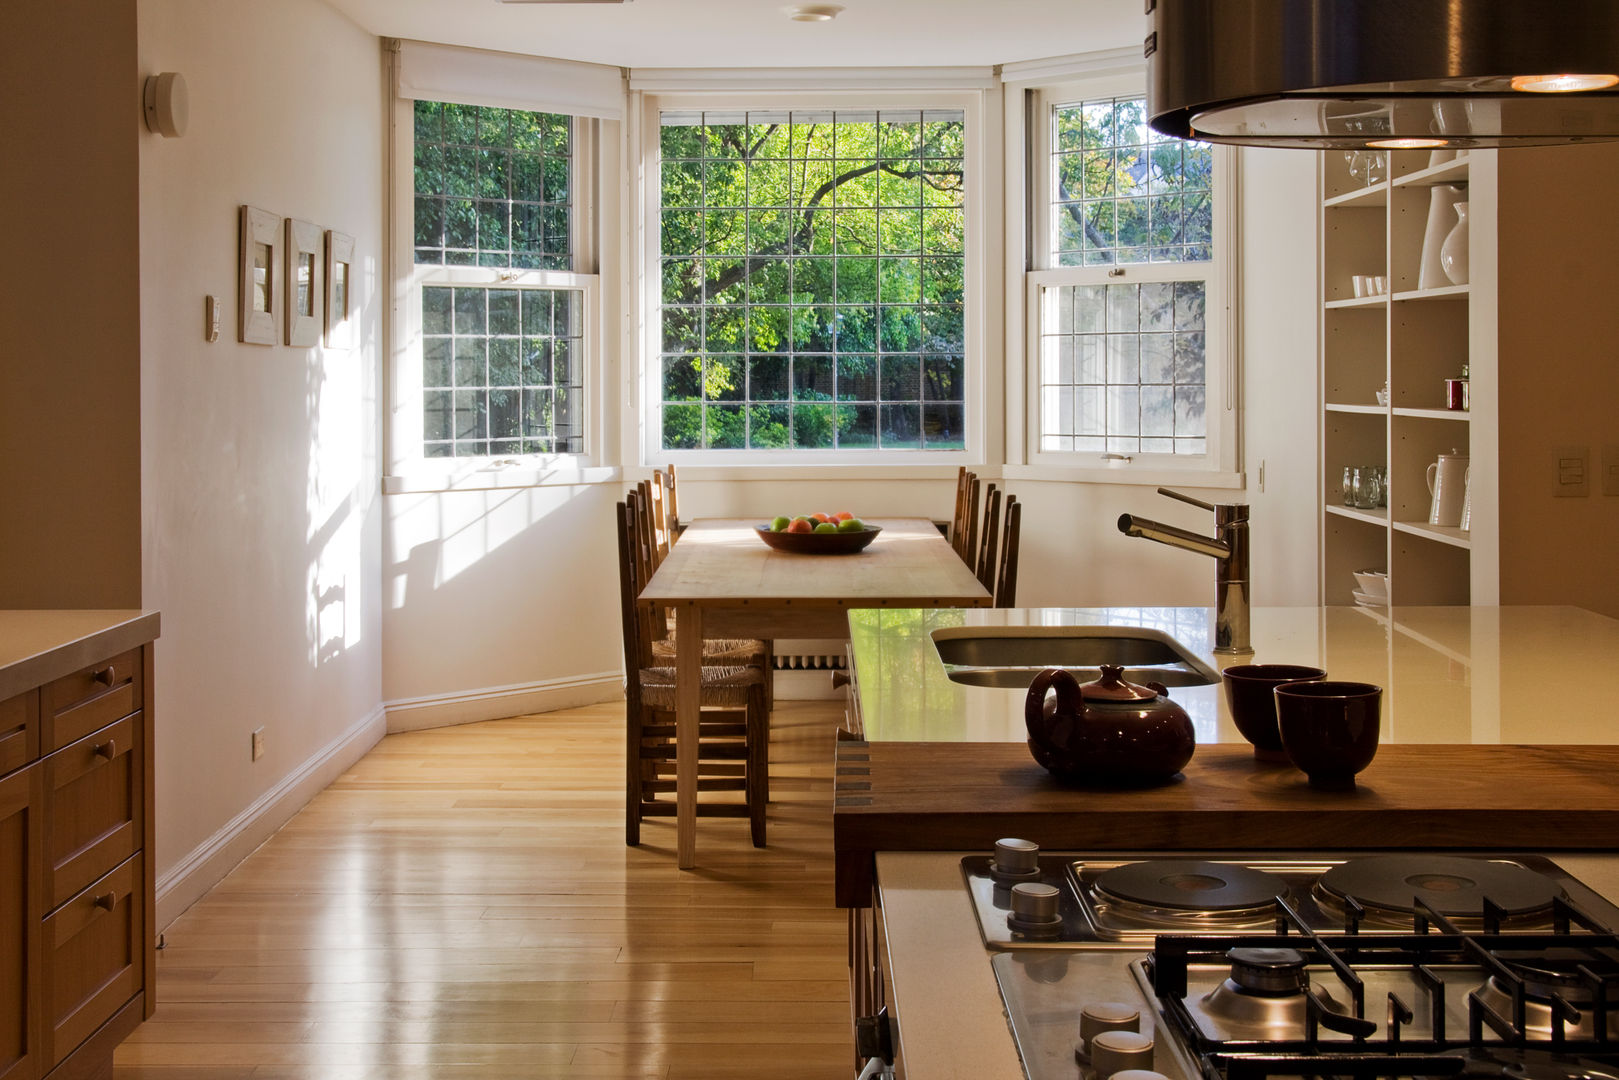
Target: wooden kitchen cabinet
[(77, 934)]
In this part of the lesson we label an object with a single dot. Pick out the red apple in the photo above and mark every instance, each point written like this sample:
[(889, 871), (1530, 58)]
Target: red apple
[(801, 525)]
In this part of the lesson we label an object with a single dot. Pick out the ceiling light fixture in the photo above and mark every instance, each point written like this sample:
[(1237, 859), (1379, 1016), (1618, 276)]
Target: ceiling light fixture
[(813, 12), (1375, 73)]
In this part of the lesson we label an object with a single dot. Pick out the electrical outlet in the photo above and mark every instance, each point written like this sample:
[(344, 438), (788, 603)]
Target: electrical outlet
[(258, 743), (1573, 471), (1610, 469)]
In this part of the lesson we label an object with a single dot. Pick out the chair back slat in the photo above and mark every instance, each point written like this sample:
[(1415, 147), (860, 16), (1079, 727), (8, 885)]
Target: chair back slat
[(986, 552), (969, 547), (1006, 581), (637, 645), (958, 520), (672, 502)]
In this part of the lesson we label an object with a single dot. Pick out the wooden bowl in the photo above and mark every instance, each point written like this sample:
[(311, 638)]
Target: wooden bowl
[(810, 543)]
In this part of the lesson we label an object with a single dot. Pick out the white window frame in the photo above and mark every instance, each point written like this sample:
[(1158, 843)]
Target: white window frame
[(1220, 466), (976, 278), (408, 468)]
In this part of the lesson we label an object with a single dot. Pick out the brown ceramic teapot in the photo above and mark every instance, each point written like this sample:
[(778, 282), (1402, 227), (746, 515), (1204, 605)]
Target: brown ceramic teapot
[(1107, 732)]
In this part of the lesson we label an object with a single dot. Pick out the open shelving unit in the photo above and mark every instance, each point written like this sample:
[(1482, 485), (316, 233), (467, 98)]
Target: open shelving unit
[(1410, 339)]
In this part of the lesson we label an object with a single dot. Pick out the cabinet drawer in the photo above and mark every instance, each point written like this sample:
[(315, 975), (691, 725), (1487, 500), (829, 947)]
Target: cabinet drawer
[(94, 959), (19, 731), (77, 704), (93, 802)]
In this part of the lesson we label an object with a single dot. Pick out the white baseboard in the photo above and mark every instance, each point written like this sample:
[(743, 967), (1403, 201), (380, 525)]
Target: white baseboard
[(183, 884), (500, 702), (808, 684)]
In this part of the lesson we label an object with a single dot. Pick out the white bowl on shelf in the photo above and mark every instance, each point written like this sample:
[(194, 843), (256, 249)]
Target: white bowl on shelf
[(1374, 583)]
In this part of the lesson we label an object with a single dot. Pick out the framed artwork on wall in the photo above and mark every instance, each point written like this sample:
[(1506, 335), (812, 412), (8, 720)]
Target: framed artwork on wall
[(339, 290), (305, 296), (258, 317)]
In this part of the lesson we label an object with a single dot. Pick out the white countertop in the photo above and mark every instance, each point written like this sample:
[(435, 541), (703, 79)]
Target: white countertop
[(1450, 674), (947, 1008)]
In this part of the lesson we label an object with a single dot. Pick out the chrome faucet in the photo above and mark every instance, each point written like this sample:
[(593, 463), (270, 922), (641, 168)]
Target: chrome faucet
[(1229, 547)]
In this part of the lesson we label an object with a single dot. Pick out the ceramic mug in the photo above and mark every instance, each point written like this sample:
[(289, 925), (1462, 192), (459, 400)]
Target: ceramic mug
[(1250, 693), (1329, 729)]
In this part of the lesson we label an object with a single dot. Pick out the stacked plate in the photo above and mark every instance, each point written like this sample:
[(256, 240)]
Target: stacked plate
[(1374, 588)]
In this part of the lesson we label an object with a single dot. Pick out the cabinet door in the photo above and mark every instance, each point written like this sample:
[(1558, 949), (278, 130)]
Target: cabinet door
[(19, 926)]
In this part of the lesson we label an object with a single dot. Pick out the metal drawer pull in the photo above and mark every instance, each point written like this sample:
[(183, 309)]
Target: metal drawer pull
[(107, 901), (104, 676), (108, 749)]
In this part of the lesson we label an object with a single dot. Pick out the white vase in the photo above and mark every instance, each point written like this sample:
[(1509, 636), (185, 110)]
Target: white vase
[(1453, 253), (1430, 273)]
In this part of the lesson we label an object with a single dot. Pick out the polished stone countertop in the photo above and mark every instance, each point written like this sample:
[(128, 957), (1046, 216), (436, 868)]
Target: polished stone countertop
[(37, 646), (1458, 675)]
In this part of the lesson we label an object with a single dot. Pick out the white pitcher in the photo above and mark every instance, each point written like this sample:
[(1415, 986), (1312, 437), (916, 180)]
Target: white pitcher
[(1447, 483)]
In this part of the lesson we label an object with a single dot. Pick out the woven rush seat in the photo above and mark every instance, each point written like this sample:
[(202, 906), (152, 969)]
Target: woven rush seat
[(721, 685), (735, 651)]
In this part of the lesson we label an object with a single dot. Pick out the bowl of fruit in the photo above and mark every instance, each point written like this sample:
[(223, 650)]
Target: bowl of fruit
[(818, 534)]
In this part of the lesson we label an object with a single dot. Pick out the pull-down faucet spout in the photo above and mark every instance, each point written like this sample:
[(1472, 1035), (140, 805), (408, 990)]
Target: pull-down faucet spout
[(1228, 547)]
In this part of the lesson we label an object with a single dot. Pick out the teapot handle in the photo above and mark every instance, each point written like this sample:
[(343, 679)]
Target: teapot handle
[(1069, 699)]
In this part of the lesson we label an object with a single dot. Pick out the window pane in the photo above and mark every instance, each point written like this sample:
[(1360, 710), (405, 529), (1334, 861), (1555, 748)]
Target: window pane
[(819, 253)]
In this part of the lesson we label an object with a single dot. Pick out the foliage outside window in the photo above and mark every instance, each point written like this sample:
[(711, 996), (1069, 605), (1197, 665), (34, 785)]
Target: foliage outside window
[(502, 353), (812, 268), (1122, 316)]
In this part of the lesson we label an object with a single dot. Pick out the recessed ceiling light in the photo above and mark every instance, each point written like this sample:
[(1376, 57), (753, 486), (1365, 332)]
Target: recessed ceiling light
[(813, 12)]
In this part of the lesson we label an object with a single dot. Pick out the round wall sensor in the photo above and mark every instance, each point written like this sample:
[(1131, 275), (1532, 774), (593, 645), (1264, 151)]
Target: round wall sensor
[(813, 12), (168, 106)]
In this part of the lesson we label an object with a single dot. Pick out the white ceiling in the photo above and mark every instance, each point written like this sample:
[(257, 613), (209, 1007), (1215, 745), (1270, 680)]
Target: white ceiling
[(757, 33)]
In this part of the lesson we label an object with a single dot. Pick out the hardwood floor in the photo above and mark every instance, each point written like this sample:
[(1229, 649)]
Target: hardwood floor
[(461, 904)]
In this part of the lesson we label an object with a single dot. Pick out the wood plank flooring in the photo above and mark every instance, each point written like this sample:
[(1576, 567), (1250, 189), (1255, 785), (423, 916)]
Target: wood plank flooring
[(461, 904)]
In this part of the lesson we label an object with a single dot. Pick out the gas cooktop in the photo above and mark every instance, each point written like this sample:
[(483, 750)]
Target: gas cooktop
[(1229, 968)]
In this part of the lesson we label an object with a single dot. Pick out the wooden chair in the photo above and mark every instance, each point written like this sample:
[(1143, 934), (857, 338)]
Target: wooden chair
[(984, 564), (1006, 580), (671, 499), (657, 518), (732, 735)]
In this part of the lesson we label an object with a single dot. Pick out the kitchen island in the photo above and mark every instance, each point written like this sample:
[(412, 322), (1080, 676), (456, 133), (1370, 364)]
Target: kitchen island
[(1495, 735)]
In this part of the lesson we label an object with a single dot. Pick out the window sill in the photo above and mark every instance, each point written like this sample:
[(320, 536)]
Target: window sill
[(488, 478), (1125, 474), (850, 472)]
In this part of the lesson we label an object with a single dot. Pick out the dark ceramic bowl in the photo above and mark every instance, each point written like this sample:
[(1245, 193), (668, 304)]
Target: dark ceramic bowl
[(1250, 691), (810, 543), (1329, 729)]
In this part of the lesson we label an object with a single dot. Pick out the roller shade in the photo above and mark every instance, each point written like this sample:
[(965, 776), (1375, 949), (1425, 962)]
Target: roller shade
[(430, 72)]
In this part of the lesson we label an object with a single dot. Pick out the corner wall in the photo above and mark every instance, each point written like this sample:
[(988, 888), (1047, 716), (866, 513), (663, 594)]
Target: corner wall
[(70, 485), (261, 523)]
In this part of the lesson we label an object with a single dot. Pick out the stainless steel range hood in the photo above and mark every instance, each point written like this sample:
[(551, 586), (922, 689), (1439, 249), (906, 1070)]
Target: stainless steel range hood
[(1359, 73)]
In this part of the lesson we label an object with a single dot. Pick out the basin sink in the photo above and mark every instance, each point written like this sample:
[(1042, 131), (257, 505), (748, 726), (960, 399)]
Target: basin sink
[(1009, 657)]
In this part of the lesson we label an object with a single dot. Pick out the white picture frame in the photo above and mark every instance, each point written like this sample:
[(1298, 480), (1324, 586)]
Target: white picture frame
[(258, 292), (304, 295), (339, 290)]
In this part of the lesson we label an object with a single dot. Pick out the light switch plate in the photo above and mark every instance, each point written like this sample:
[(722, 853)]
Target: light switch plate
[(1573, 476), (1610, 469)]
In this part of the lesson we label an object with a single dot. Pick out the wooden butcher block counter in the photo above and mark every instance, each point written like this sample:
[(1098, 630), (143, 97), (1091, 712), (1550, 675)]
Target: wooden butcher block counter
[(1498, 732)]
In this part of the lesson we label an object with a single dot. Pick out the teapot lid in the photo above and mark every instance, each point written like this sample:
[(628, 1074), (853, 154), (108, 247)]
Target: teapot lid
[(1112, 687)]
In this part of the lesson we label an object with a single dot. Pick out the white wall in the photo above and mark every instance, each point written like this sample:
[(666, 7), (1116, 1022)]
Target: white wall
[(261, 522)]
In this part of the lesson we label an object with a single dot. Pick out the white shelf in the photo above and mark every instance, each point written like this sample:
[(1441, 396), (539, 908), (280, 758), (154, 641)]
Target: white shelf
[(1435, 414), (1371, 195), (1451, 172), (1378, 517), (1438, 533), (1446, 292), (1360, 301), (1363, 410)]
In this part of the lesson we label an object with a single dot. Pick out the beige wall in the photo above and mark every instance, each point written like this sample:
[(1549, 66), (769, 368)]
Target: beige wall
[(69, 306), (1559, 372), (261, 516)]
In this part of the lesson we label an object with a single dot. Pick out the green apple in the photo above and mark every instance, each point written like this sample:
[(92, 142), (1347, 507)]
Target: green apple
[(780, 524), (851, 525), (826, 527)]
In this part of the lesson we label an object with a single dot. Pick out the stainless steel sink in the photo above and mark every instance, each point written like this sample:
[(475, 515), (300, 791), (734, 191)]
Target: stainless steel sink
[(1009, 657)]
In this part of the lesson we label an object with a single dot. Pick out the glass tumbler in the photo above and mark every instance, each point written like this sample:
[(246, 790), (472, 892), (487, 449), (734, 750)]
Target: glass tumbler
[(1367, 488), (1349, 485)]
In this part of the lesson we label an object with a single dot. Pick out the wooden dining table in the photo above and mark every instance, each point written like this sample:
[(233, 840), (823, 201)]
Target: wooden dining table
[(723, 582)]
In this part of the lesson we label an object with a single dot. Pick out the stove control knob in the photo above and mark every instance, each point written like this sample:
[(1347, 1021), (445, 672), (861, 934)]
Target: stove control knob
[(1015, 856), (1268, 972), (1034, 902), (1101, 1016), (1114, 1052)]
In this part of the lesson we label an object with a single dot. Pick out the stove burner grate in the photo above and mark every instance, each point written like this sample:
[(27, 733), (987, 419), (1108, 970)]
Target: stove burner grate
[(1190, 886), (1453, 886)]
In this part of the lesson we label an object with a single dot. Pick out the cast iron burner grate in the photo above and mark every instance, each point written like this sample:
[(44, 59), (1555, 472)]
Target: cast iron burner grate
[(1498, 1040)]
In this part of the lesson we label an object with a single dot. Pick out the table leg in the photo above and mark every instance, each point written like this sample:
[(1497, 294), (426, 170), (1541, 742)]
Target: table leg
[(688, 682)]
